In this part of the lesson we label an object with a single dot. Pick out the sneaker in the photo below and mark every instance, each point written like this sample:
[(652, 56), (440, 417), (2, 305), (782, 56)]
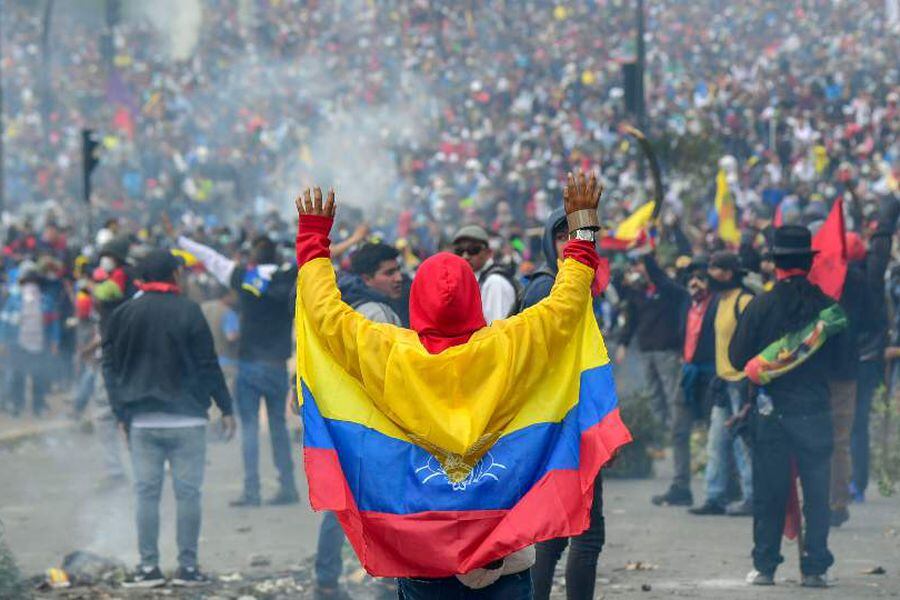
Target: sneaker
[(284, 497), (755, 577), (814, 581), (675, 496), (189, 577), (145, 577), (743, 508), (245, 501), (330, 593), (839, 517), (708, 508)]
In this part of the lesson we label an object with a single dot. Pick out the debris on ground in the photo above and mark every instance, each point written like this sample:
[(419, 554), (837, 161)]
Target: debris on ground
[(260, 560), (295, 583), (639, 566), (879, 570)]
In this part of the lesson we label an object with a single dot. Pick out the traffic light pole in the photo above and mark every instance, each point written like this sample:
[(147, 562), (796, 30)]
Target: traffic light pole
[(641, 57)]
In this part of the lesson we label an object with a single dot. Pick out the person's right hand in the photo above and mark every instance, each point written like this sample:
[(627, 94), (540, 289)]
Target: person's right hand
[(621, 352), (360, 233), (312, 205), (581, 193)]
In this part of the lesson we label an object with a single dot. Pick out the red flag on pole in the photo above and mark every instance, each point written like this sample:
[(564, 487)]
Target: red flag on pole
[(829, 268)]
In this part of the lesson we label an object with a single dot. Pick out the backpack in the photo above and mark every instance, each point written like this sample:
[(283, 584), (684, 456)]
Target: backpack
[(507, 274)]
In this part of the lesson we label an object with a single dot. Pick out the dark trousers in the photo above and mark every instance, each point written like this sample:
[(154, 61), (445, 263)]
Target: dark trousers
[(510, 587), (257, 381), (810, 441), (870, 376), (581, 565)]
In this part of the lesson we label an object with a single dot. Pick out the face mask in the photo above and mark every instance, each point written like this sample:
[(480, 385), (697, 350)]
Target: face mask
[(107, 264)]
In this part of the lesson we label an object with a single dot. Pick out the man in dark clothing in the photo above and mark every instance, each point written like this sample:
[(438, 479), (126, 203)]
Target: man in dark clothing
[(652, 315), (161, 369), (581, 566), (266, 306), (696, 320), (873, 343), (793, 416)]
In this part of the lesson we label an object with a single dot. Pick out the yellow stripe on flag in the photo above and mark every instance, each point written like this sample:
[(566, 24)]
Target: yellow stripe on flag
[(631, 227)]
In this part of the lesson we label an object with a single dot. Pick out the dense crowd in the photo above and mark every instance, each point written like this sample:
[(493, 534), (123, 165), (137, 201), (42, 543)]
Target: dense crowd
[(461, 112)]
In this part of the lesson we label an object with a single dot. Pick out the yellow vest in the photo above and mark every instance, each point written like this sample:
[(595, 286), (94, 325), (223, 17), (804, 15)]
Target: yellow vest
[(725, 325)]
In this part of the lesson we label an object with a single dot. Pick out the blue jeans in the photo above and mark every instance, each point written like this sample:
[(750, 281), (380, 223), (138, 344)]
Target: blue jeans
[(257, 381), (185, 449), (719, 443), (329, 565), (510, 587)]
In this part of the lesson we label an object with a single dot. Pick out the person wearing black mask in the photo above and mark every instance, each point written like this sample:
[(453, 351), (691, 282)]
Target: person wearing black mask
[(728, 393)]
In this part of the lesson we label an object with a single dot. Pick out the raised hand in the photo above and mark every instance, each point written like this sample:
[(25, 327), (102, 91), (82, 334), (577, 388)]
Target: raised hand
[(582, 193), (310, 203)]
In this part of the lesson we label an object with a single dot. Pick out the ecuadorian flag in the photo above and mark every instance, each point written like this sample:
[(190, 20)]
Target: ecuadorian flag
[(437, 464)]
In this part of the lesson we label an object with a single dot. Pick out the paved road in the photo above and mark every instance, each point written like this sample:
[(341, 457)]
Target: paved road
[(49, 506)]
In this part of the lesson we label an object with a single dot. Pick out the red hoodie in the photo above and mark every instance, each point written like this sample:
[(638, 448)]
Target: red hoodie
[(445, 300)]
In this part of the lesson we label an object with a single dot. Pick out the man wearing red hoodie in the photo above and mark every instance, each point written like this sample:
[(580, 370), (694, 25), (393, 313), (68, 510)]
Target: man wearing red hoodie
[(445, 311)]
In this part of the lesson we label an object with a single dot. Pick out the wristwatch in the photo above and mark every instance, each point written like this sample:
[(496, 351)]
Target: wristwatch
[(585, 235)]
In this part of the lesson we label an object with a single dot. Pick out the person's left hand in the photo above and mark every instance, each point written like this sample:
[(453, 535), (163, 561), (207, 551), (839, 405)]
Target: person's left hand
[(312, 204)]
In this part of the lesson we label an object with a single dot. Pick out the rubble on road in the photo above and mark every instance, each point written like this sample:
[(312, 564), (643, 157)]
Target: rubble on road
[(95, 577)]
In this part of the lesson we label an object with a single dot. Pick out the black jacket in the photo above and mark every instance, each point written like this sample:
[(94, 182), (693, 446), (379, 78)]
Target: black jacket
[(873, 341), (706, 345), (266, 297), (158, 356), (654, 318), (791, 305)]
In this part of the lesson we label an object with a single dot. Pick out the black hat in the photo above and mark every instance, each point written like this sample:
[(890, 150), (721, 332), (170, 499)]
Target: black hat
[(159, 265), (117, 248), (728, 261), (792, 240)]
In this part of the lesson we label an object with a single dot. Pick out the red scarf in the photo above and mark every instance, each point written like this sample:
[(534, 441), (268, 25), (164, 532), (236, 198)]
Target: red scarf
[(160, 287), (781, 274)]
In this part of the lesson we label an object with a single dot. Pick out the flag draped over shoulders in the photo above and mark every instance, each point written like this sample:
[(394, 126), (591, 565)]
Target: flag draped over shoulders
[(439, 463)]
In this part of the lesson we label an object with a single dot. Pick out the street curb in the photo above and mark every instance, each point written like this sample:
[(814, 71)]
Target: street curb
[(13, 438)]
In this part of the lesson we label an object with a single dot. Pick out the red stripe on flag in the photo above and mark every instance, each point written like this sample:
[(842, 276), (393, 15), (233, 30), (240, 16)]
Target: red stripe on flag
[(445, 543)]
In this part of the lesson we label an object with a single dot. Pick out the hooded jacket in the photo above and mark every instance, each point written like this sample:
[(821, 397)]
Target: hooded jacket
[(541, 281), (373, 305)]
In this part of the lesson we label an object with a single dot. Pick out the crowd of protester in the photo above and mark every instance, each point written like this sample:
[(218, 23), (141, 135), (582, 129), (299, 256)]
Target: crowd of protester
[(476, 111)]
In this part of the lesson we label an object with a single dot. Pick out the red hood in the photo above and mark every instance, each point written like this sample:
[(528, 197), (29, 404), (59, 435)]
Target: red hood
[(445, 303)]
